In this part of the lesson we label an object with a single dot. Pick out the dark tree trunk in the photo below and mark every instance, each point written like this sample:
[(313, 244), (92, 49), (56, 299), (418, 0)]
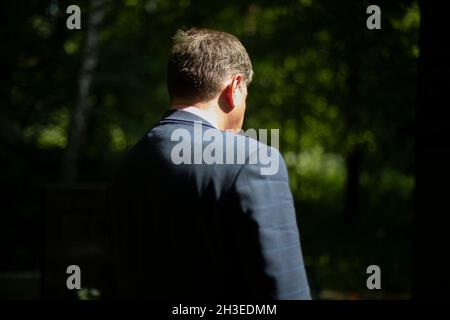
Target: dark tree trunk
[(81, 110), (353, 120)]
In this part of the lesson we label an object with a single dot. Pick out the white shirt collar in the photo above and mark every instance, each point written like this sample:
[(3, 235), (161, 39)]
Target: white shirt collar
[(202, 114)]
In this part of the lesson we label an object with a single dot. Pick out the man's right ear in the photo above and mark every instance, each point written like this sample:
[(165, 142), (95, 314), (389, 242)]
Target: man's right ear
[(233, 90)]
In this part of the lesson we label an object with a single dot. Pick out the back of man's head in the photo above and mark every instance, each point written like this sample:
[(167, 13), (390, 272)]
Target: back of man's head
[(201, 60)]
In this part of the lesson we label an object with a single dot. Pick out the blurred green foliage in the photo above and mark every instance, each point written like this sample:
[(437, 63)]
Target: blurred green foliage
[(336, 90)]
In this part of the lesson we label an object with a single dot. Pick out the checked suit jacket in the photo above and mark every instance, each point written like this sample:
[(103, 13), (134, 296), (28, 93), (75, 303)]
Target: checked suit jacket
[(203, 231)]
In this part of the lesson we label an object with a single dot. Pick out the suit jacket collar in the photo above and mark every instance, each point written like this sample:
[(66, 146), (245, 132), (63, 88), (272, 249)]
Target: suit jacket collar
[(180, 116)]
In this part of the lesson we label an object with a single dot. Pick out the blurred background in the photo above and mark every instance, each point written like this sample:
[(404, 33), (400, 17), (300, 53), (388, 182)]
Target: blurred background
[(73, 101)]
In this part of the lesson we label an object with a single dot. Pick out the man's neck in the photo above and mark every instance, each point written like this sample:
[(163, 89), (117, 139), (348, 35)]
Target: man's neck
[(205, 112)]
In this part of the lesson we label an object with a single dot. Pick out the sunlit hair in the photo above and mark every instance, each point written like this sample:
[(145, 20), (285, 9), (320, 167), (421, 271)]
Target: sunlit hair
[(200, 60)]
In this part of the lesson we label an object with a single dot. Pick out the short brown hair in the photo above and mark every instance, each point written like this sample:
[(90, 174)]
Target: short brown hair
[(201, 59)]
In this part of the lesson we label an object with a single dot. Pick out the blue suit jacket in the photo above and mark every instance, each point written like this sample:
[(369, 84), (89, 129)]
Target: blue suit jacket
[(200, 231)]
